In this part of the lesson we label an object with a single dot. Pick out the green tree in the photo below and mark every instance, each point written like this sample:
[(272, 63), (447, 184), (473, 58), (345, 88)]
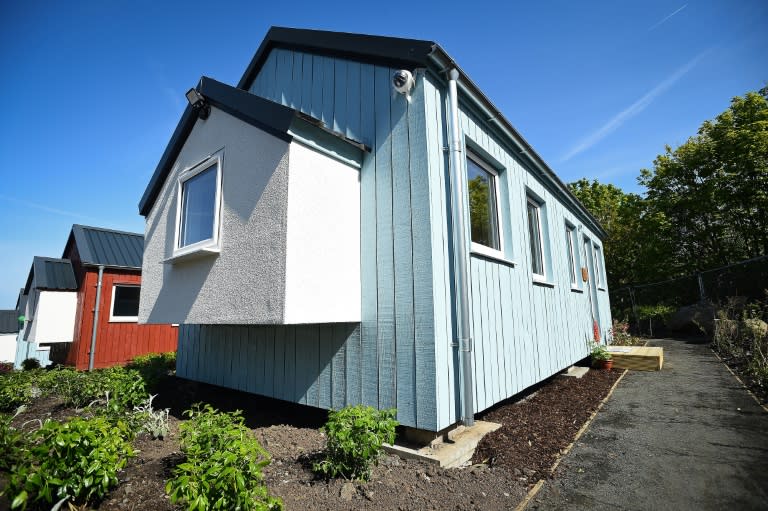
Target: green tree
[(711, 193)]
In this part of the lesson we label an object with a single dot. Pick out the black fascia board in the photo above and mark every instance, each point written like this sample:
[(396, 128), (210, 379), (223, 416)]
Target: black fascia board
[(389, 51), (264, 114)]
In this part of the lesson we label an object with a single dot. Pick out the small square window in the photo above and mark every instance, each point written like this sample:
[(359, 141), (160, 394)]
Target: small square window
[(197, 225), (570, 240), (125, 303), (482, 182), (536, 239)]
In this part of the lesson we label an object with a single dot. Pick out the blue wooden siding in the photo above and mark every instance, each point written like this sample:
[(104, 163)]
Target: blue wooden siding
[(388, 361), (25, 350), (400, 355), (522, 332)]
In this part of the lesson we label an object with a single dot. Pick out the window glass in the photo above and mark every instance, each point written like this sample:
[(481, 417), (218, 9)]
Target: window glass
[(534, 234), (598, 267), (126, 302), (198, 204), (569, 237), (483, 212)]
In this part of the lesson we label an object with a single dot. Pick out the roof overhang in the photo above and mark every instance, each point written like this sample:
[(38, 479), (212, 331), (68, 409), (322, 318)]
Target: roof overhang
[(271, 117)]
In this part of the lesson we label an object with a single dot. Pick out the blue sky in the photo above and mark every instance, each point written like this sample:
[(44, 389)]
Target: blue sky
[(93, 90)]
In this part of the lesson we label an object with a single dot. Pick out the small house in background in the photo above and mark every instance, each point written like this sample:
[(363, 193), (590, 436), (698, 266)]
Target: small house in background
[(356, 222), (9, 331), (50, 298), (64, 316)]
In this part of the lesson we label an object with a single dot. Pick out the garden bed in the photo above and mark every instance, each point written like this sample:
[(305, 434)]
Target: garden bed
[(535, 430)]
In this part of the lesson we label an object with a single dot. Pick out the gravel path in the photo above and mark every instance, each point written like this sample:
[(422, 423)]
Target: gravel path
[(688, 437)]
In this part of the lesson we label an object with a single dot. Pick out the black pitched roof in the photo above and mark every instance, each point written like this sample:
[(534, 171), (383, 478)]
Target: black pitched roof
[(116, 249), (266, 115), (9, 321), (391, 51), (51, 274)]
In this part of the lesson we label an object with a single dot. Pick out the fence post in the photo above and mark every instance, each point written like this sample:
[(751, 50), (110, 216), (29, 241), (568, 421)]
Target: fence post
[(702, 292)]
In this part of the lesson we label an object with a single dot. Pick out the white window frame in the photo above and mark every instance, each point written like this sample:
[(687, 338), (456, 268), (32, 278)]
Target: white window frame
[(596, 251), (479, 248), (538, 277), (209, 245), (570, 235), (120, 319)]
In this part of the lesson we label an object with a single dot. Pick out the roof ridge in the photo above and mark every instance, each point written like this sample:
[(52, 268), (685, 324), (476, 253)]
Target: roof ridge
[(105, 229)]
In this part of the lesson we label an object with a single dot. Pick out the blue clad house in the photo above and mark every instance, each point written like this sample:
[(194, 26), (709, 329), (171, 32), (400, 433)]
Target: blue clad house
[(356, 222)]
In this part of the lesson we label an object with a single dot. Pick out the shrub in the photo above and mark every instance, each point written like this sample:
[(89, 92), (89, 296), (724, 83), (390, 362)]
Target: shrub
[(77, 460), (355, 438), (11, 444), (153, 422), (117, 387), (6, 367), (15, 390), (154, 367), (621, 335), (30, 363), (223, 469)]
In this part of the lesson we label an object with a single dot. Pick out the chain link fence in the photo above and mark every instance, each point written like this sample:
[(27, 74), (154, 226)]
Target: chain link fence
[(745, 279)]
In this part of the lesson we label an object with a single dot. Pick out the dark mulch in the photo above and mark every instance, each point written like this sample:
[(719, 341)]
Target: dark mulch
[(506, 464), (536, 430)]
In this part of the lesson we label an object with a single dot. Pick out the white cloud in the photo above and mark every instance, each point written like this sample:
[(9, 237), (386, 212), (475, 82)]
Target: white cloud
[(632, 110), (666, 18)]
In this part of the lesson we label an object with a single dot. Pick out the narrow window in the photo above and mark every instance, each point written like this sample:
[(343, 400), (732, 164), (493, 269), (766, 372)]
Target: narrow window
[(483, 204), (569, 239), (125, 303), (535, 236), (598, 266)]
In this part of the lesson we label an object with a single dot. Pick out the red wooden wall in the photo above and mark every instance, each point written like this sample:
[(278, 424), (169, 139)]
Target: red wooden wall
[(116, 343)]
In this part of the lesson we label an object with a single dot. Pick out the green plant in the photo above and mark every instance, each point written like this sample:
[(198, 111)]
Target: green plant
[(223, 469), (600, 353), (11, 444), (654, 312), (30, 363), (154, 367), (622, 337), (76, 460), (120, 388), (355, 438), (153, 422), (15, 389)]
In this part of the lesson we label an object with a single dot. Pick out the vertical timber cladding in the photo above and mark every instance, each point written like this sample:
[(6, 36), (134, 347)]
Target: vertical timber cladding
[(522, 332), (388, 360)]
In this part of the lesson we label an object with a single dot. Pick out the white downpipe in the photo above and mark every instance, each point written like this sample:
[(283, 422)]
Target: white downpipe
[(461, 257), (92, 353)]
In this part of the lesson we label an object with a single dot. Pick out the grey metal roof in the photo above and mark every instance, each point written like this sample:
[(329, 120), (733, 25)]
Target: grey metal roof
[(51, 274), (116, 249), (9, 321)]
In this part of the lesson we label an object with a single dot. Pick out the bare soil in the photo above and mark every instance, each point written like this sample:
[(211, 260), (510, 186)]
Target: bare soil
[(535, 429)]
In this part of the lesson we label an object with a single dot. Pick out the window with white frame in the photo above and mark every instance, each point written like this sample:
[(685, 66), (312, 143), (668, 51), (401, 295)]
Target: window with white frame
[(199, 206), (570, 240), (535, 235), (125, 303), (598, 266), (484, 217)]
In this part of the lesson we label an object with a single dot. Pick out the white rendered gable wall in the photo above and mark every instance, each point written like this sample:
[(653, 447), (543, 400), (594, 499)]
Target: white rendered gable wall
[(322, 269), (54, 318)]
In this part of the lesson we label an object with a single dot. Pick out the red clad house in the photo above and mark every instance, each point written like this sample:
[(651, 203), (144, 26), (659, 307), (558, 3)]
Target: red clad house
[(114, 258)]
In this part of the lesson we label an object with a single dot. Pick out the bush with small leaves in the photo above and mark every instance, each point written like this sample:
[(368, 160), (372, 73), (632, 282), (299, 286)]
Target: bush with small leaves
[(76, 460), (154, 367), (16, 389), (355, 438), (11, 444), (224, 464), (30, 363)]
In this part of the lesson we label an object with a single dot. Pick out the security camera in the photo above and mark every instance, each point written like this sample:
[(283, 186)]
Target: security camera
[(403, 81)]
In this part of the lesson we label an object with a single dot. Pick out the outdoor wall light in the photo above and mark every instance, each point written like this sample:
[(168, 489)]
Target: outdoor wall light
[(196, 100)]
